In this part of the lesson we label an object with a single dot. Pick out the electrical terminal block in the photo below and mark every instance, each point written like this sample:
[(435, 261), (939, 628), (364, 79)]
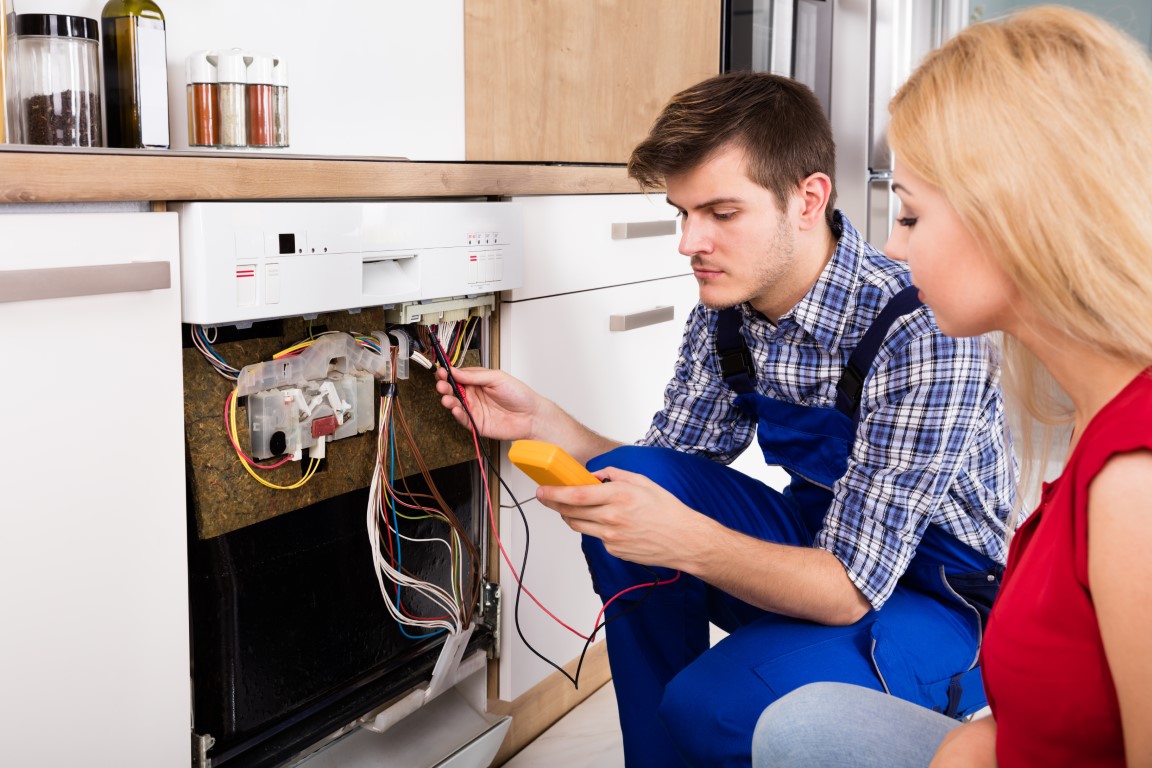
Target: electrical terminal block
[(442, 310)]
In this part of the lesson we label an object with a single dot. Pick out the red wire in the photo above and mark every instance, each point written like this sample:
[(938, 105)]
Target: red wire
[(500, 544), (516, 576), (629, 589), (236, 444)]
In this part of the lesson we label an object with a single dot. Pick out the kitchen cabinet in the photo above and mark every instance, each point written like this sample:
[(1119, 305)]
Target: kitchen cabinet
[(555, 334), (574, 81), (93, 560)]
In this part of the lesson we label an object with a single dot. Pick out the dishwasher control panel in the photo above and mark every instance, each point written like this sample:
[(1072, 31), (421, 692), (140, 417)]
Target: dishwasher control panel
[(247, 261)]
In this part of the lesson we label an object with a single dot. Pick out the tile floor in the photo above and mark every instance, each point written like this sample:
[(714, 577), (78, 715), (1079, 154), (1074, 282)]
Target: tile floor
[(587, 737)]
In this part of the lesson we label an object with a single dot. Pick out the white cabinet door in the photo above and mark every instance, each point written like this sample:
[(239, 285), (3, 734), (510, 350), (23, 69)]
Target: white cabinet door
[(612, 381), (93, 560)]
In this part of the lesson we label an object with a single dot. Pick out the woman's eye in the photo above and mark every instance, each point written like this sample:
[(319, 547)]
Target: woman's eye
[(906, 221)]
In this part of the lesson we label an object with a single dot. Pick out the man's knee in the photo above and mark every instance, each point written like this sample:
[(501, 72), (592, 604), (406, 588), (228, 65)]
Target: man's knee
[(710, 708)]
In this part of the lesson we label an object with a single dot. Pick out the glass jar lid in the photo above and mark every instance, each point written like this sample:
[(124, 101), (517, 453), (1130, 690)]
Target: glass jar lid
[(56, 25)]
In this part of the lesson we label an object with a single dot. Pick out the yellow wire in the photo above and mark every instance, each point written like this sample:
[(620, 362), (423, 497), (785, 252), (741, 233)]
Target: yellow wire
[(313, 465), (293, 348)]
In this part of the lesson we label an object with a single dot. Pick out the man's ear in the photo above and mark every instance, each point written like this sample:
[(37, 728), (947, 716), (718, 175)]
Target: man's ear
[(812, 195)]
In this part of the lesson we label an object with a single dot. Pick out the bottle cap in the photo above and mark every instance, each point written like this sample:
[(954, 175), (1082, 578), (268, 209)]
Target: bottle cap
[(55, 25), (200, 67), (260, 69), (232, 66), (279, 72)]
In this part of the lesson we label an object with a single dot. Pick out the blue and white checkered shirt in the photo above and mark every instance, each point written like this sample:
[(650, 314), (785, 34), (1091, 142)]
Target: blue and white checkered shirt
[(931, 446)]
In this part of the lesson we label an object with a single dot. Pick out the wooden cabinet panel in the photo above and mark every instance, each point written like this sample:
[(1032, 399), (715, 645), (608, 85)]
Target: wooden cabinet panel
[(578, 80)]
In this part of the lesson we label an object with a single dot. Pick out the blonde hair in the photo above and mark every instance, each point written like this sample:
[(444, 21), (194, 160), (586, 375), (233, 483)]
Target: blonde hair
[(1037, 128)]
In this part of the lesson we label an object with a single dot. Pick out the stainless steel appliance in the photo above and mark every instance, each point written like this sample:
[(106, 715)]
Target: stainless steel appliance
[(855, 54)]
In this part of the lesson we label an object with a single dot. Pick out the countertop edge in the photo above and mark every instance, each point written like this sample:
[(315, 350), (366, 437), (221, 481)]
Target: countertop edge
[(29, 176)]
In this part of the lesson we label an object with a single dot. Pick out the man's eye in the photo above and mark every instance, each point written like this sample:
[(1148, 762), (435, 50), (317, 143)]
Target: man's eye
[(906, 221), (723, 216)]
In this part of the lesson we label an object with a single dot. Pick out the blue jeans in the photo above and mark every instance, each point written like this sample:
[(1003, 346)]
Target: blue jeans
[(835, 724)]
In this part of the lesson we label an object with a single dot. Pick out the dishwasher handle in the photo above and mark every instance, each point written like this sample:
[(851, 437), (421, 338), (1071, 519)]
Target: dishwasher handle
[(95, 280)]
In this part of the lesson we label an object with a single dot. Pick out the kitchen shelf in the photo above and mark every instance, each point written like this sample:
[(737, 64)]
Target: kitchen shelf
[(36, 175)]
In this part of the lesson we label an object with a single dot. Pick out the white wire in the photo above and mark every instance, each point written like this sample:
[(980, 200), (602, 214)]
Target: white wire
[(450, 603)]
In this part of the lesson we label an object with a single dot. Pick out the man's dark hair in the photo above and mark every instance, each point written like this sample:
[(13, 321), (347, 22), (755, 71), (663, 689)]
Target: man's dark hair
[(777, 121)]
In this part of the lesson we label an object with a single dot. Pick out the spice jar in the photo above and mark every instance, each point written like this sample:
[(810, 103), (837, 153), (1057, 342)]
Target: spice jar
[(57, 99), (279, 103), (260, 101), (232, 74), (135, 74), (203, 101)]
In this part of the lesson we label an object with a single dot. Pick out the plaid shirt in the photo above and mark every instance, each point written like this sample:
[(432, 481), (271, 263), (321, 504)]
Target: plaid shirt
[(931, 446)]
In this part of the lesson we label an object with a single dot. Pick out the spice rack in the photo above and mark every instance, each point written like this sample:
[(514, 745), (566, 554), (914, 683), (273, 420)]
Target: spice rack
[(237, 99)]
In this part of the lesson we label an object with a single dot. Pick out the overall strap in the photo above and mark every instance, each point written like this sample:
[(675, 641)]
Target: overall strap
[(735, 359), (850, 388)]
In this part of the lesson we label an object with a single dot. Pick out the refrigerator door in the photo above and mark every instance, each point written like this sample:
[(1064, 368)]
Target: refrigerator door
[(892, 36), (757, 36)]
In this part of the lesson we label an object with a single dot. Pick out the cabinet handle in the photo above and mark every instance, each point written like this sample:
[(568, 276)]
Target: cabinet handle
[(629, 230), (640, 319), (65, 282)]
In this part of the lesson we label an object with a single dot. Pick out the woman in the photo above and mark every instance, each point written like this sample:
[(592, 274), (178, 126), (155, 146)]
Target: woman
[(1024, 170)]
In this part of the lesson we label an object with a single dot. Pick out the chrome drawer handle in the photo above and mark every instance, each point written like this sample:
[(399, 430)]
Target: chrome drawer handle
[(629, 230), (65, 282), (641, 319)]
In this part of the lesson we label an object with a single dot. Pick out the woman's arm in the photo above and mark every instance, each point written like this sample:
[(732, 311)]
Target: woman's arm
[(972, 745), (1120, 577)]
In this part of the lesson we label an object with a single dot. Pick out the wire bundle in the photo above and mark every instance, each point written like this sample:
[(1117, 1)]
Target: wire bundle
[(202, 342), (443, 608)]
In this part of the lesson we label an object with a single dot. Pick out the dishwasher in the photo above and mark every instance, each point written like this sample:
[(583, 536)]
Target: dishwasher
[(302, 652)]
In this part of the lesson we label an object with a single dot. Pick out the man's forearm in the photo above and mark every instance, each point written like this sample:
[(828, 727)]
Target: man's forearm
[(555, 425), (803, 582)]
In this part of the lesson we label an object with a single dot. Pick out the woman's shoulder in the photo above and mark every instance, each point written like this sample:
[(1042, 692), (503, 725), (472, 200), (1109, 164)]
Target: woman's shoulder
[(1122, 426)]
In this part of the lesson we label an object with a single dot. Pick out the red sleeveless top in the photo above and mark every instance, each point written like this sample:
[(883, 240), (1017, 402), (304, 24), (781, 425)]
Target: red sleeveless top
[(1044, 667)]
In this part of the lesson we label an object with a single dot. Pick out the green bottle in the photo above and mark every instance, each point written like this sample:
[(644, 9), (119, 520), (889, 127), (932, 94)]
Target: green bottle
[(135, 74)]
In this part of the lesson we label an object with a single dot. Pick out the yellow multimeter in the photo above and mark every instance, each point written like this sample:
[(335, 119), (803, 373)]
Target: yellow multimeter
[(548, 464)]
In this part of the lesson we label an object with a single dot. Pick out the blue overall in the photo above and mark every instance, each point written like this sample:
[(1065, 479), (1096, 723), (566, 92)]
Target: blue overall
[(683, 703)]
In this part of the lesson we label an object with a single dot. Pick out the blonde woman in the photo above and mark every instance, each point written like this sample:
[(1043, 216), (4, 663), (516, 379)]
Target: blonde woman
[(1024, 170)]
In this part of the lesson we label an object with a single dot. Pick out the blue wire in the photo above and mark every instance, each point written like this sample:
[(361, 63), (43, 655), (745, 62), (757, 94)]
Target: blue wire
[(211, 349)]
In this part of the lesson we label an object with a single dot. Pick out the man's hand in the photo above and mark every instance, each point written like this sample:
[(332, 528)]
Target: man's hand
[(636, 519), (504, 408)]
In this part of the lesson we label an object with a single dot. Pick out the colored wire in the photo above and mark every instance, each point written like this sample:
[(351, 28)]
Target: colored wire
[(248, 463), (388, 506), (204, 344), (520, 588)]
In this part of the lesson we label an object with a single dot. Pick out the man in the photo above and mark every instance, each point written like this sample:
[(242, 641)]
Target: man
[(878, 563)]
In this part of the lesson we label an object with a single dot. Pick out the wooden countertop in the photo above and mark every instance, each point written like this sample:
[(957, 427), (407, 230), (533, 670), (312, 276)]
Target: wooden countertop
[(39, 175)]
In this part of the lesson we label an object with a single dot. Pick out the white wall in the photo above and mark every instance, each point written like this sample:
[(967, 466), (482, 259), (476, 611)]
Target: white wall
[(366, 77)]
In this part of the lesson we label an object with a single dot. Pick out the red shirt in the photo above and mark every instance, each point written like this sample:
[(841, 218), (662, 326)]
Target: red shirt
[(1044, 667)]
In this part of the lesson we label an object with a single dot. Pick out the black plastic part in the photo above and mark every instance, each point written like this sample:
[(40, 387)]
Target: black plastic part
[(56, 25), (291, 640)]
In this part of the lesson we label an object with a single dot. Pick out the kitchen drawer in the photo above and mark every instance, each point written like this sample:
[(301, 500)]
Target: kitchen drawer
[(580, 242)]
